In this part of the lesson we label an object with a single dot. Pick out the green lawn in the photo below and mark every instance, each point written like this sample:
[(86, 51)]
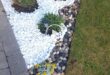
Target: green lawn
[(91, 40)]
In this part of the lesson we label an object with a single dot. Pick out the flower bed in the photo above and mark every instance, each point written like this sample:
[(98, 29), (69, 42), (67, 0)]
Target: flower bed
[(35, 46), (59, 55)]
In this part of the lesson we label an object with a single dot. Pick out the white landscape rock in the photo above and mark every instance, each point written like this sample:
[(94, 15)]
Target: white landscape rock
[(34, 45)]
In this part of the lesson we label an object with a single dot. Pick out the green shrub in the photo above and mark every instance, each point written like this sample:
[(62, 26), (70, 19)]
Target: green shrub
[(25, 3), (53, 22)]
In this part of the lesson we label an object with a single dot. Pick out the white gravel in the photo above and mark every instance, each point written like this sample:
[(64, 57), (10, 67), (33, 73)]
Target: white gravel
[(34, 46)]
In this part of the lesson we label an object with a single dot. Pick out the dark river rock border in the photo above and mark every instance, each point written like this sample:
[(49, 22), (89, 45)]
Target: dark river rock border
[(61, 50)]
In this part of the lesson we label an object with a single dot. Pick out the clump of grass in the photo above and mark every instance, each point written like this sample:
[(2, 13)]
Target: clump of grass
[(50, 21)]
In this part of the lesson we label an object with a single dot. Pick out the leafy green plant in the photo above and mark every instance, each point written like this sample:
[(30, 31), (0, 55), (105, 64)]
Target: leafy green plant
[(50, 21)]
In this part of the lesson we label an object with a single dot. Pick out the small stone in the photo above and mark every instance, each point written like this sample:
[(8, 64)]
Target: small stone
[(66, 41), (56, 56), (70, 17), (69, 25), (64, 59), (61, 58), (67, 49), (62, 54), (73, 14), (31, 71), (59, 68), (63, 63), (58, 71), (60, 12), (50, 60), (66, 22), (70, 39), (60, 48), (65, 44), (57, 52), (54, 53), (63, 68)]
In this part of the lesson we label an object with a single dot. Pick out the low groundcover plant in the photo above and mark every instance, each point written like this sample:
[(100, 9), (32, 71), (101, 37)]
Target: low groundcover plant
[(50, 22)]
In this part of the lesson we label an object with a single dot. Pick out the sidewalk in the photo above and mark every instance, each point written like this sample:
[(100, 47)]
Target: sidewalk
[(11, 59)]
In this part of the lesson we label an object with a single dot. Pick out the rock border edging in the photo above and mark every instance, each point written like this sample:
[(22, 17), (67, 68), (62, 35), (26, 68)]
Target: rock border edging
[(61, 50)]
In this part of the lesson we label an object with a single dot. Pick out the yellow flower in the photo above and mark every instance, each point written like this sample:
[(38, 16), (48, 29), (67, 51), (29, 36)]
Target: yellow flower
[(44, 73)]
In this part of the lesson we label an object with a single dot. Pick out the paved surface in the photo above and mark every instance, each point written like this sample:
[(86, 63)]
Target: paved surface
[(11, 59)]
